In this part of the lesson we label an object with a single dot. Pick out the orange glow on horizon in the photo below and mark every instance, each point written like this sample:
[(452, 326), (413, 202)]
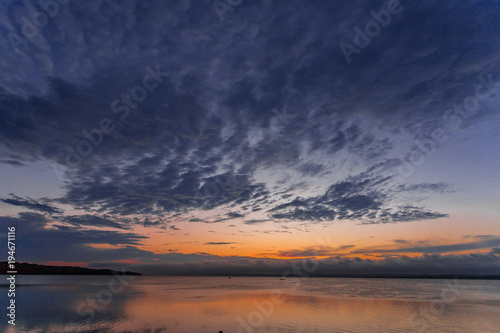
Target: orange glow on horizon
[(289, 241), (105, 246)]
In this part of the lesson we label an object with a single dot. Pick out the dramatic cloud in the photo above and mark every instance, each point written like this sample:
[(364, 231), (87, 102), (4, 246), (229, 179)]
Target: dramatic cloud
[(356, 198), (31, 204), (43, 242), (155, 114), (194, 143), (92, 221)]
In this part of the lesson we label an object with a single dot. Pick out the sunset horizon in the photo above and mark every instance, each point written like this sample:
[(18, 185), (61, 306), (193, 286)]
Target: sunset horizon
[(238, 138)]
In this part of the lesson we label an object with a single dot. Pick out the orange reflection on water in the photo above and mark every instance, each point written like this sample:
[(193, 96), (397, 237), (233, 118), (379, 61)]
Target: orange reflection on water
[(248, 304), (281, 308)]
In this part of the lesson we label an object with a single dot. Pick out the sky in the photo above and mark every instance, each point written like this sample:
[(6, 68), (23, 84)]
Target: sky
[(248, 137)]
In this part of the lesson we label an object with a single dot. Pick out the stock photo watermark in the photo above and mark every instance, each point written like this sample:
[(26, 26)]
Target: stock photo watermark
[(453, 119), (122, 107), (104, 296), (427, 314), (11, 277), (277, 297), (32, 24), (218, 184), (222, 7), (363, 37)]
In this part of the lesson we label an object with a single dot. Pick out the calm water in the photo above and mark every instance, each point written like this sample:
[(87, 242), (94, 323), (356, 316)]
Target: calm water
[(248, 304)]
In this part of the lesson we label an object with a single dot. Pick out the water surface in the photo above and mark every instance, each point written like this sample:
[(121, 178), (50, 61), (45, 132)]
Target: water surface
[(252, 304)]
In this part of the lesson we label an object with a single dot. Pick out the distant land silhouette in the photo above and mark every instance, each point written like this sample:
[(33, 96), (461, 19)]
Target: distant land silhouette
[(35, 269)]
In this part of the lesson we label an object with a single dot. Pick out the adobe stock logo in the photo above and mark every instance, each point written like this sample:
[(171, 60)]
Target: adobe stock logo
[(32, 24), (452, 119), (104, 296), (130, 100), (221, 7), (372, 29)]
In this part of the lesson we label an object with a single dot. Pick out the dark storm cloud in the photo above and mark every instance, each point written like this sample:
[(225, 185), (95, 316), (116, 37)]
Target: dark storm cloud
[(267, 88), (31, 204)]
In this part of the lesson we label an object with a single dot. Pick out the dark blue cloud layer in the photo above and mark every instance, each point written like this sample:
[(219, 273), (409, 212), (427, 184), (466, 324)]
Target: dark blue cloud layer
[(31, 204), (44, 239), (158, 109)]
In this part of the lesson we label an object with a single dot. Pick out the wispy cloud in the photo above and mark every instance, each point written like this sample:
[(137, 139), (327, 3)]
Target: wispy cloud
[(488, 242), (219, 243), (31, 204)]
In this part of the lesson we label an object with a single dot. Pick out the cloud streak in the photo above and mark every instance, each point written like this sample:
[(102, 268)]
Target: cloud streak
[(31, 204)]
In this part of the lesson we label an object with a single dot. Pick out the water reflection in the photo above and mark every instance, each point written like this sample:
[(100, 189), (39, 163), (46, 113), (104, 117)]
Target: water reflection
[(212, 304)]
